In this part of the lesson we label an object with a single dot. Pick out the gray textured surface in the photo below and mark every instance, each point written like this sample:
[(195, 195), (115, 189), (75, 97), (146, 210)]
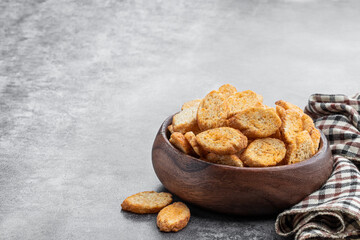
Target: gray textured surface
[(85, 86)]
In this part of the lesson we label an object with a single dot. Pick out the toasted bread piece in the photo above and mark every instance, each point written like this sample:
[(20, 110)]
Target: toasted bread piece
[(191, 138), (308, 125), (231, 160), (281, 112), (212, 112), (256, 122), (291, 124), (191, 103), (173, 218), (287, 105), (146, 202), (315, 137), (170, 128), (301, 149), (185, 120), (227, 90), (264, 152), (243, 100), (179, 141), (222, 141)]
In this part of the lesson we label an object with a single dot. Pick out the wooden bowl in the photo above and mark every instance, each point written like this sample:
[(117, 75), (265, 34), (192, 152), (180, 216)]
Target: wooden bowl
[(234, 190)]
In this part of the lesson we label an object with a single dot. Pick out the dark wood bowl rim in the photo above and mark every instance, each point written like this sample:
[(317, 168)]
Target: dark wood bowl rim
[(322, 150)]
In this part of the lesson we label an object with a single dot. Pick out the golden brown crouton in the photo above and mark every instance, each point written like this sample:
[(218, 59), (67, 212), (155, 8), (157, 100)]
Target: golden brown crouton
[(191, 138), (191, 103), (287, 105), (308, 125), (170, 128), (281, 112), (222, 141), (227, 90), (185, 120), (173, 218), (315, 137), (301, 149), (291, 125), (180, 142), (256, 122), (264, 152), (146, 202), (231, 160), (212, 111), (243, 100)]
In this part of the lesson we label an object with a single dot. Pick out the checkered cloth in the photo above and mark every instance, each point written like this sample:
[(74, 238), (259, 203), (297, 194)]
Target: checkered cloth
[(332, 212)]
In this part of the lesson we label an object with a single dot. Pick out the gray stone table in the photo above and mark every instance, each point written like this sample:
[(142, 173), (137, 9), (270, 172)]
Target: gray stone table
[(85, 85)]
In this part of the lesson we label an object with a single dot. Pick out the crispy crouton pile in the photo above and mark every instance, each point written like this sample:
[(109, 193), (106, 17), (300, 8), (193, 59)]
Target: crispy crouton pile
[(235, 128)]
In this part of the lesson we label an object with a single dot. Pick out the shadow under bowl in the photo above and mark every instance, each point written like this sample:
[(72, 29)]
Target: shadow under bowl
[(235, 190)]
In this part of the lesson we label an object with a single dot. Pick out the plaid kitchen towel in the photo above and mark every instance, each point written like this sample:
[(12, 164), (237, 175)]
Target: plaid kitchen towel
[(332, 212)]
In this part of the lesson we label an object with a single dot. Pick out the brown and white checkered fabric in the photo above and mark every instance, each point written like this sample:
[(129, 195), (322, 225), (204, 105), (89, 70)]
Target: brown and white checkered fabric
[(332, 212)]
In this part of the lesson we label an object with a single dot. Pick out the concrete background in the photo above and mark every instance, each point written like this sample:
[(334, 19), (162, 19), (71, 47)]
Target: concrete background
[(85, 85)]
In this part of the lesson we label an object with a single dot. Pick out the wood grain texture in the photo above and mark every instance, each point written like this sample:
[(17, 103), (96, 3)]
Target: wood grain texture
[(243, 191)]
